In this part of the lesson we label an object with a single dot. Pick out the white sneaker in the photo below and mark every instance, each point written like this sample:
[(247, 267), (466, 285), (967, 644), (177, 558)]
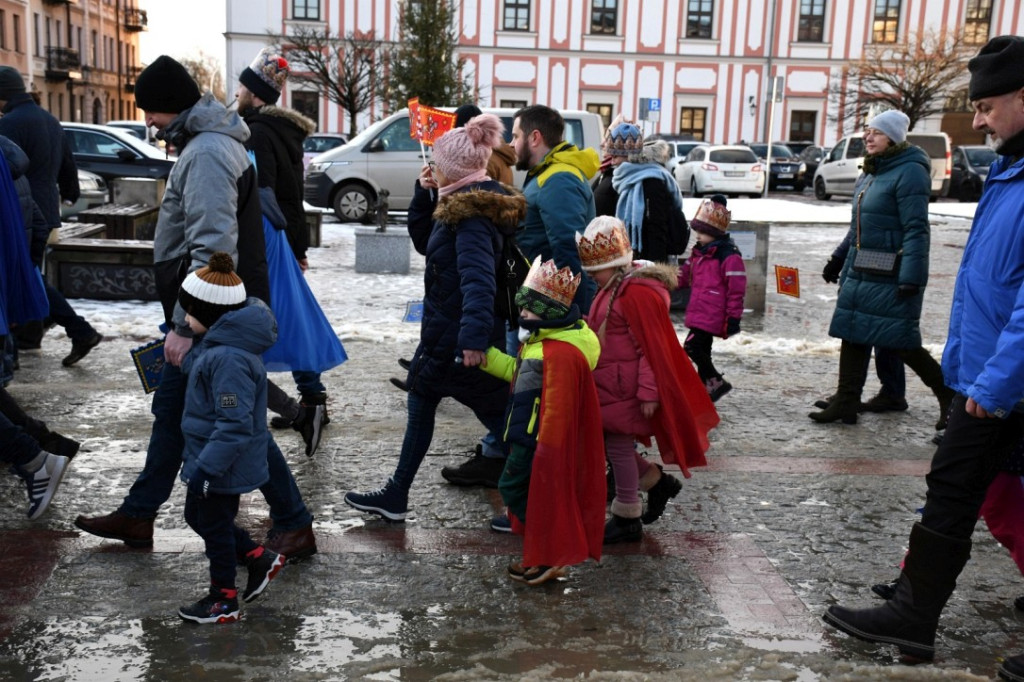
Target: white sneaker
[(43, 483)]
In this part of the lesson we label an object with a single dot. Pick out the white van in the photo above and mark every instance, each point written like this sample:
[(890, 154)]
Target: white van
[(349, 179), (838, 172)]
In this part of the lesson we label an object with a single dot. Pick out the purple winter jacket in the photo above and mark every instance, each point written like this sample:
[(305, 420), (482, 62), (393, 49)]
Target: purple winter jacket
[(718, 280)]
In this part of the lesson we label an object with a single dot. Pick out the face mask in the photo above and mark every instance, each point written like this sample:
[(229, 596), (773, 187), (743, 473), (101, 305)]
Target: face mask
[(524, 335)]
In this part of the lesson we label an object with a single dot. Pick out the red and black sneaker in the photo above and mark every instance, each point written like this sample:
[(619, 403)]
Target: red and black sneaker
[(219, 606)]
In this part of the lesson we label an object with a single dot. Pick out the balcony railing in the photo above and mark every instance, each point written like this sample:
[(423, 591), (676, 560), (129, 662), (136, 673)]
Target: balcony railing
[(135, 19), (62, 63), (131, 77)]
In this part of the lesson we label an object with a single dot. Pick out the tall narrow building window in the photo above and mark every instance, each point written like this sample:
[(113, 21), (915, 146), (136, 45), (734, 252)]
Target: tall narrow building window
[(700, 18), (517, 15), (886, 26), (977, 21), (604, 17), (811, 28)]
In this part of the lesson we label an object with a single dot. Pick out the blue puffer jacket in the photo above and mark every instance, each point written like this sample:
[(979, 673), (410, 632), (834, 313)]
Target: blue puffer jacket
[(461, 237), (893, 207), (984, 356), (225, 420)]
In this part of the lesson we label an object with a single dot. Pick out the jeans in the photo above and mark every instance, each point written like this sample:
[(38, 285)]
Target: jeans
[(213, 519), (964, 465), (489, 408), (63, 314), (279, 402), (889, 368), (308, 383), (153, 485)]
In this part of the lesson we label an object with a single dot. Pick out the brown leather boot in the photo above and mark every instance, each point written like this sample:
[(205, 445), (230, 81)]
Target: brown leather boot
[(294, 544), (118, 526)]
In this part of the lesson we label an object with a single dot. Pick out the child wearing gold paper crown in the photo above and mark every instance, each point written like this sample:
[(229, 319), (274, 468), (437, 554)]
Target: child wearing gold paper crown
[(718, 280), (553, 483), (645, 382)]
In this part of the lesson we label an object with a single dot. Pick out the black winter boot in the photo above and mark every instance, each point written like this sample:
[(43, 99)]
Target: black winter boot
[(930, 372), (909, 619), (667, 487), (1012, 669), (620, 529), (845, 404)]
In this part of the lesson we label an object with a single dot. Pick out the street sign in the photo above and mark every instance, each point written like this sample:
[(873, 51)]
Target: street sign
[(654, 105)]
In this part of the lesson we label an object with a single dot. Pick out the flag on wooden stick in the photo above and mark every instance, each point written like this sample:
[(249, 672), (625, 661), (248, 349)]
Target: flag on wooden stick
[(787, 281)]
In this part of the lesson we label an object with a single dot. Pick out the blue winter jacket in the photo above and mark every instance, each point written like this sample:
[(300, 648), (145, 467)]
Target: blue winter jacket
[(892, 204), (225, 420), (984, 356)]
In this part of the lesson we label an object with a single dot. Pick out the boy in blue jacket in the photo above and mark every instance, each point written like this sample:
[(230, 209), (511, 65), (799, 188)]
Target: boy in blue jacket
[(225, 430)]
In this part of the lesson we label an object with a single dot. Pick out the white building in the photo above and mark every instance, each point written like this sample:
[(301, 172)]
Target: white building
[(707, 62)]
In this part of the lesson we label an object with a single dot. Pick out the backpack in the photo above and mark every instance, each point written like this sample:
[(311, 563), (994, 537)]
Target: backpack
[(512, 270)]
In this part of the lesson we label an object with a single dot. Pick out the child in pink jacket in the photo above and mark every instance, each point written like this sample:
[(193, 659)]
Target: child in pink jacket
[(717, 280)]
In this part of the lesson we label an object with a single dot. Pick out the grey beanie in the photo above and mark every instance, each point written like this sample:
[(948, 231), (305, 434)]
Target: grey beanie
[(11, 82), (997, 69), (893, 123)]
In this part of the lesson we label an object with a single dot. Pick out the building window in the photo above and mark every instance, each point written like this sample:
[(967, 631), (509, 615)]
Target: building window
[(512, 103), (604, 17), (3, 30), (801, 126), (886, 26), (812, 21), (307, 104), (700, 16), (602, 110), (977, 21), (17, 33), (691, 122), (306, 9), (517, 15), (37, 43), (95, 51)]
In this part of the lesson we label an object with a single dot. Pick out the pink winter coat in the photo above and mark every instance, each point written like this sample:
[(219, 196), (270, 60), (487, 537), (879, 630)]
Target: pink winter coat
[(718, 280), (623, 375)]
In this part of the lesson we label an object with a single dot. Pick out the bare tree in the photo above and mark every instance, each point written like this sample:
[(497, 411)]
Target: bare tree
[(206, 70), (343, 70), (915, 77)]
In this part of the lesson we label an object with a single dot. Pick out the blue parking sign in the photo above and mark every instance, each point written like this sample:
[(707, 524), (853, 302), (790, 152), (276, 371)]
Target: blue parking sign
[(654, 105)]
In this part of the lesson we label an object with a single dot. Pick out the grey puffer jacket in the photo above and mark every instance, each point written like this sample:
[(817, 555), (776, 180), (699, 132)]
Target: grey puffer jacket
[(211, 204)]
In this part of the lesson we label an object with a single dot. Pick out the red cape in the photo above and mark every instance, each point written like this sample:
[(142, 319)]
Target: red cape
[(565, 507), (686, 415)]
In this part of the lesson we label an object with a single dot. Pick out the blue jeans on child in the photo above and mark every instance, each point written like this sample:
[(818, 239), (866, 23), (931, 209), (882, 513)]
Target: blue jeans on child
[(213, 519)]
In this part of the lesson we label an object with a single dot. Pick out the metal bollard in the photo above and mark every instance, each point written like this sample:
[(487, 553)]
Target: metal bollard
[(382, 211)]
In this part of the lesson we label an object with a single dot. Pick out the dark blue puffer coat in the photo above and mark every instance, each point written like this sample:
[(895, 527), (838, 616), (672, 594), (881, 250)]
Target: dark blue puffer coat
[(893, 207), (461, 236)]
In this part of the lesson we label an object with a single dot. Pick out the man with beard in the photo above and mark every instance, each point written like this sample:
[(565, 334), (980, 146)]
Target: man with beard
[(984, 363)]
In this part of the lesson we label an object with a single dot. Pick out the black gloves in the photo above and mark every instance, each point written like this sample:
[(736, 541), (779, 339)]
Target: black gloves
[(732, 327), (907, 290), (199, 484), (833, 268)]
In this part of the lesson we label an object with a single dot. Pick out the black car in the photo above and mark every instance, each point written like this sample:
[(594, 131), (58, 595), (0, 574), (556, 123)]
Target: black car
[(812, 156), (787, 169), (970, 168), (112, 153)]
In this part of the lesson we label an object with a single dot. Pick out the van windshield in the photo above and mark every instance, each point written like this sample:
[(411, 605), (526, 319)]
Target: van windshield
[(933, 145)]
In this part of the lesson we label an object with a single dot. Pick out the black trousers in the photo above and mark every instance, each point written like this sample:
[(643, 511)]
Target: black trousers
[(698, 347), (971, 454), (213, 518)]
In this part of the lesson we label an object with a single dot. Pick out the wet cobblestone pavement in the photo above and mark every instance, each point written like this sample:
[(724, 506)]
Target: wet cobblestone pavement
[(730, 584)]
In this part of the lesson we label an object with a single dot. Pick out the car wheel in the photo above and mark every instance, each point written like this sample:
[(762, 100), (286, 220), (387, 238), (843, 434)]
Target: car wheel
[(353, 204), (693, 188), (819, 190)]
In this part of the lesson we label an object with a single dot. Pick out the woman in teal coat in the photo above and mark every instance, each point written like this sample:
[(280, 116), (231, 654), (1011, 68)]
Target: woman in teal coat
[(890, 214)]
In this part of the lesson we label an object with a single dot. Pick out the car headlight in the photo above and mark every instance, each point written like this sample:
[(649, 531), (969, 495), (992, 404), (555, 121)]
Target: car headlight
[(803, 167), (322, 166)]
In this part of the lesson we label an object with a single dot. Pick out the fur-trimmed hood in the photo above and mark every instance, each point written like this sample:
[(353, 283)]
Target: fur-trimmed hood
[(659, 272), (506, 211), (303, 123)]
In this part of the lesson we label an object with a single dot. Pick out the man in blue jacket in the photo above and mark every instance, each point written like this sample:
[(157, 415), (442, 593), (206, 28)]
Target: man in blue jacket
[(983, 362)]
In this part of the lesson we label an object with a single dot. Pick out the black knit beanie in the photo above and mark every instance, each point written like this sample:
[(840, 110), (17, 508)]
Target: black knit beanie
[(165, 87), (464, 113), (997, 69), (11, 82)]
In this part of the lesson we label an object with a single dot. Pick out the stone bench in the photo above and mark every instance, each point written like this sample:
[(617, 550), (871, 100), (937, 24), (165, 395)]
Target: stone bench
[(102, 269), (78, 231)]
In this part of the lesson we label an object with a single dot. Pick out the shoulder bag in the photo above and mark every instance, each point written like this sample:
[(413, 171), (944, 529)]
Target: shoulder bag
[(883, 263)]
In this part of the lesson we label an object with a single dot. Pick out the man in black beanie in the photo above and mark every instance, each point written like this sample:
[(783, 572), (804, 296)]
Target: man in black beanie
[(210, 204), (984, 363), (51, 173)]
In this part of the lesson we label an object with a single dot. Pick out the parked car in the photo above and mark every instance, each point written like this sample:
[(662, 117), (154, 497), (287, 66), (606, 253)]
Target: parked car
[(725, 169), (970, 170), (94, 192), (798, 146), (318, 143), (787, 170), (137, 128), (812, 156), (679, 151), (113, 153), (349, 179), (838, 173)]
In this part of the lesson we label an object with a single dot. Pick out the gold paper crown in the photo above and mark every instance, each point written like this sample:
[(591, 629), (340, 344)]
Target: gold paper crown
[(558, 285), (607, 245), (711, 214)]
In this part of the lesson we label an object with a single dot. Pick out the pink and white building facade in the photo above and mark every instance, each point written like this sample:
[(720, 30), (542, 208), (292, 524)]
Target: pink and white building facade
[(707, 63)]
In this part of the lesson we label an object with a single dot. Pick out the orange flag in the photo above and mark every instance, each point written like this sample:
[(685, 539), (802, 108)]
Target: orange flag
[(434, 123), (414, 118), (787, 281)]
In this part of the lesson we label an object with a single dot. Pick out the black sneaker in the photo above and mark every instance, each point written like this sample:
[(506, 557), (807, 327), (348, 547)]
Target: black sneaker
[(479, 470), (389, 502), (262, 570), (213, 608), (43, 483), (311, 420), (404, 364), (279, 422), (667, 487), (717, 388), (79, 349), (501, 524)]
